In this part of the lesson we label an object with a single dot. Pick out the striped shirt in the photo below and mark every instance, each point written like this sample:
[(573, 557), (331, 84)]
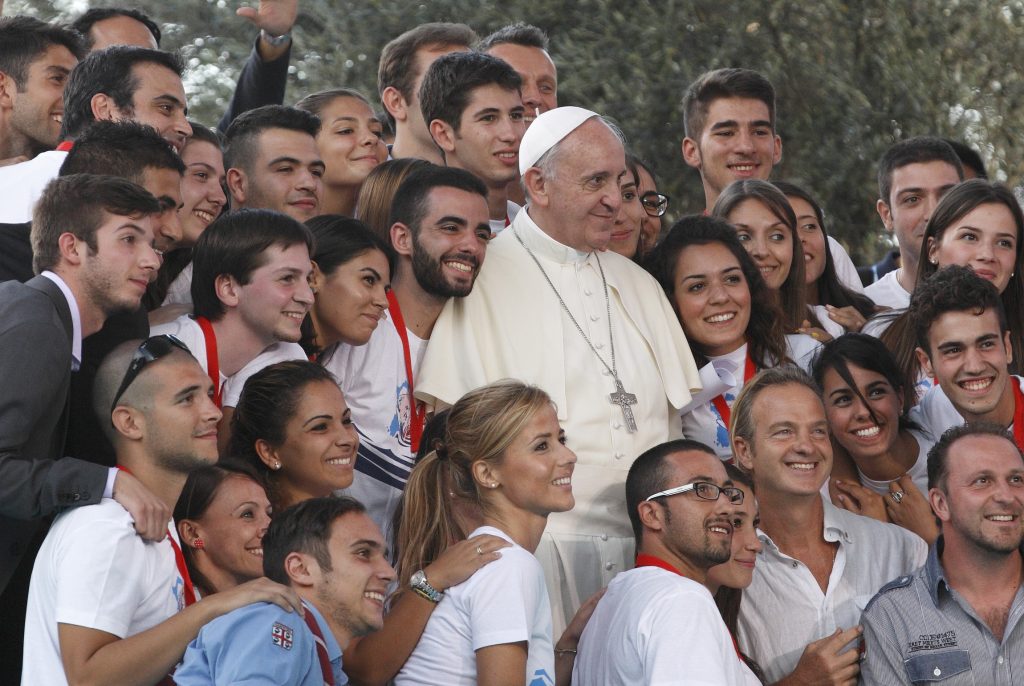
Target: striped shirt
[(918, 629)]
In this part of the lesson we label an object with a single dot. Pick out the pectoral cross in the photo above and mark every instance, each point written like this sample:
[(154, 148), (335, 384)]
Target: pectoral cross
[(623, 399)]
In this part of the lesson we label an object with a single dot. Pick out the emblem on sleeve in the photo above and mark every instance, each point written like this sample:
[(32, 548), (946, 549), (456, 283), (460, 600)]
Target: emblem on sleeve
[(281, 636)]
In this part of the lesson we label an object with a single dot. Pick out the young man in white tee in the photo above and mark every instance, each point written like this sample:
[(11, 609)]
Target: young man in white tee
[(95, 583), (439, 230), (250, 293)]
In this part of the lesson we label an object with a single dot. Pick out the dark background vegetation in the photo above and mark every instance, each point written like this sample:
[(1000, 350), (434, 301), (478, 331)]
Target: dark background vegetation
[(852, 77)]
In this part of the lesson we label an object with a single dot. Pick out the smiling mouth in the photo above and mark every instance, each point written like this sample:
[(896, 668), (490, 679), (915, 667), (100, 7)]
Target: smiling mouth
[(205, 216), (340, 461), (745, 168), (719, 318), (297, 316), (256, 552), (868, 432), (803, 466), (375, 596), (1001, 518), (976, 384), (460, 266), (562, 481), (58, 117)]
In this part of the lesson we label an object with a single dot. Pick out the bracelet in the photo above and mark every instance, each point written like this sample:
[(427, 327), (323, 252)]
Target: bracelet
[(426, 596), (566, 651), (275, 41)]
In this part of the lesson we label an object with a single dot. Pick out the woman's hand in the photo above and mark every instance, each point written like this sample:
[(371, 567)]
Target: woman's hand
[(860, 500), (460, 560), (910, 509), (847, 317)]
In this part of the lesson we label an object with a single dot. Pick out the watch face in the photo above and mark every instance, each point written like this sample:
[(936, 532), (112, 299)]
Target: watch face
[(418, 578)]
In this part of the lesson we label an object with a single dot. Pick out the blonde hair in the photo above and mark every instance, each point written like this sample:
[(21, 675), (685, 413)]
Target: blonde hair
[(481, 426)]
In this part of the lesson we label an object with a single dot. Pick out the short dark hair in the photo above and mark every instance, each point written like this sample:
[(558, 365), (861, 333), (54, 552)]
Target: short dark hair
[(25, 39), (915, 150), (85, 22), (234, 244), (120, 148), (108, 71), (304, 528), (397, 67), (75, 204), (723, 83), (648, 474), (938, 454), (952, 289), (410, 204), (969, 157), (519, 33), (451, 79), (241, 137)]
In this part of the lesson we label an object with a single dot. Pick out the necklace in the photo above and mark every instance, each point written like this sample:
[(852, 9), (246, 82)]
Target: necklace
[(620, 397)]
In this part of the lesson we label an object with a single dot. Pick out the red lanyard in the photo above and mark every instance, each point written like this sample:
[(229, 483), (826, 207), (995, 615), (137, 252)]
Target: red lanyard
[(1018, 413), (321, 646), (724, 411), (212, 361), (179, 559), (65, 146), (417, 409)]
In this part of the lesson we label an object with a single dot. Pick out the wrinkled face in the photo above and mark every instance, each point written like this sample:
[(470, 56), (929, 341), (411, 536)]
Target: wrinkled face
[(349, 141), (319, 449), (448, 249), (916, 190), (202, 189), (277, 297), (351, 300), (583, 198), (38, 109), (232, 528), (738, 572), (180, 424), (159, 101), (982, 501), (650, 226), (351, 595), (738, 142), (969, 357), (165, 185), (712, 298), (121, 30), (985, 239), (286, 176), (790, 452), (767, 238), (535, 473), (862, 435), (537, 70), (116, 275), (812, 239), (698, 531), (487, 140), (626, 235)]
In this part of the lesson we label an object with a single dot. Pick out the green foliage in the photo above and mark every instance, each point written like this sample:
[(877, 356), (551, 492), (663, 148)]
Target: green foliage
[(852, 76)]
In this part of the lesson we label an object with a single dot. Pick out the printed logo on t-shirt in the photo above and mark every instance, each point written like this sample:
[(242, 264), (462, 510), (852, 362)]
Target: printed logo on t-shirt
[(178, 592), (281, 636), (721, 430), (400, 425), (542, 678)]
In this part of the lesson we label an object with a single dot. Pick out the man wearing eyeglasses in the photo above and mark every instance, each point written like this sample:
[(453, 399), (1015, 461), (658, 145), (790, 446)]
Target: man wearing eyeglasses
[(820, 565), (658, 623), (95, 582)]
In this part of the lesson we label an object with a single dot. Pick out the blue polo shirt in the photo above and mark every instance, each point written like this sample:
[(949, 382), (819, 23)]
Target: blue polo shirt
[(259, 644)]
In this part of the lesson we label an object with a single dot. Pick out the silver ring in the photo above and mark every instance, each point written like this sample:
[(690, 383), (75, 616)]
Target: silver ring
[(479, 551), (897, 496)]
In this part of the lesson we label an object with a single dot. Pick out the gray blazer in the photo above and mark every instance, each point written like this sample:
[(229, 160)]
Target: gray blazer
[(35, 374)]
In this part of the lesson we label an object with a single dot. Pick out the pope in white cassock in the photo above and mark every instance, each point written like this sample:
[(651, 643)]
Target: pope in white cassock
[(553, 308)]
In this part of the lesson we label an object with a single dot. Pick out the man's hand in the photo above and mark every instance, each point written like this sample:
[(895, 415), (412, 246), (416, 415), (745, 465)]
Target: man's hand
[(823, 665), (276, 17), (149, 512)]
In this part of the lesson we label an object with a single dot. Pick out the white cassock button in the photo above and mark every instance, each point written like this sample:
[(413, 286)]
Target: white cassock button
[(937, 672), (616, 425), (606, 372), (599, 345), (594, 317), (609, 566), (604, 537), (619, 456), (587, 291)]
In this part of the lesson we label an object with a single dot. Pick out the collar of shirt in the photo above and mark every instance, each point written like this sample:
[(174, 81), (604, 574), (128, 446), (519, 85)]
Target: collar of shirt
[(933, 572), (333, 649), (835, 528), (544, 245), (76, 319)]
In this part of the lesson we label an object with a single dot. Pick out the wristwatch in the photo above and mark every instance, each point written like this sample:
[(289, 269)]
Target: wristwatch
[(419, 583), (275, 41)]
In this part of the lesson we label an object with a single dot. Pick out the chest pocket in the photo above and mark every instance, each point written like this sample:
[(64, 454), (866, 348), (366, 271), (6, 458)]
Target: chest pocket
[(934, 667)]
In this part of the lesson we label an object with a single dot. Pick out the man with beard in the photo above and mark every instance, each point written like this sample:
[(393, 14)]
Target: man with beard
[(658, 624), (956, 619), (439, 228)]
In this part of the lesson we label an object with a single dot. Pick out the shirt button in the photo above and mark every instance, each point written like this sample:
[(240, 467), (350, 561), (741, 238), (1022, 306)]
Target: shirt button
[(594, 317), (794, 564), (619, 456), (616, 425), (937, 672), (1000, 659), (609, 566), (599, 345), (604, 537), (587, 291), (606, 372)]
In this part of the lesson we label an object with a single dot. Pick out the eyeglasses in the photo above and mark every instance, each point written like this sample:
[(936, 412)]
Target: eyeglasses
[(654, 203), (150, 350), (705, 491)]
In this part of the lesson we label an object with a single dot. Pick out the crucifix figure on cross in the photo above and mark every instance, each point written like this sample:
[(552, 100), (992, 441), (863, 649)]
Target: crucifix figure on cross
[(623, 399)]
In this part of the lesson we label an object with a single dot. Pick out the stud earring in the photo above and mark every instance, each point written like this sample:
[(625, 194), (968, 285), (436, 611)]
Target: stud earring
[(198, 544), (277, 465)]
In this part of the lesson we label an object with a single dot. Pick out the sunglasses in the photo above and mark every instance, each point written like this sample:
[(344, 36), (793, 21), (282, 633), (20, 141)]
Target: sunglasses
[(150, 350), (705, 491), (654, 203)]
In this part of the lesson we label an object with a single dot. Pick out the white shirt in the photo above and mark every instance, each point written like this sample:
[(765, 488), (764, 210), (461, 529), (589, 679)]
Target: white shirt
[(23, 185), (935, 412), (498, 225), (94, 571), (503, 602), (918, 471), (180, 290), (888, 292), (784, 609), (846, 270), (76, 318), (656, 627)]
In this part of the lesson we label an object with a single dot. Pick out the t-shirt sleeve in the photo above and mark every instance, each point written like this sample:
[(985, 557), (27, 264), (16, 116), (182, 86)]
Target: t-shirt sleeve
[(502, 603), (690, 620), (279, 352), (263, 646)]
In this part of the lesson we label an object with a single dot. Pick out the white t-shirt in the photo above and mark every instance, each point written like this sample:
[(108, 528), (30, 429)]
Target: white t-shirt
[(505, 601), (190, 333), (656, 627), (935, 412), (93, 570), (373, 380), (846, 270), (888, 292), (498, 225), (180, 290), (23, 185), (918, 471), (832, 327)]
